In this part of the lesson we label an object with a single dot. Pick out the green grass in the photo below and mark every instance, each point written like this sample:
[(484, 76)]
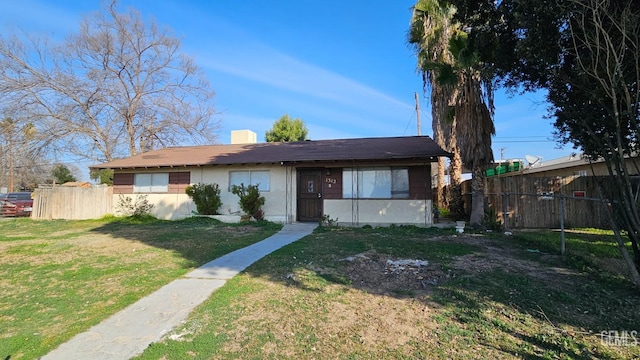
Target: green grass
[(588, 250), (590, 242), (301, 303), (58, 278)]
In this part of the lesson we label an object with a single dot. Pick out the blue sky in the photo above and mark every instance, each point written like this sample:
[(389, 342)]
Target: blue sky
[(342, 66)]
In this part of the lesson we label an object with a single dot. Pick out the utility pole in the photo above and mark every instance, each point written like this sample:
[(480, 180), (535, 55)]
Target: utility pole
[(418, 112)]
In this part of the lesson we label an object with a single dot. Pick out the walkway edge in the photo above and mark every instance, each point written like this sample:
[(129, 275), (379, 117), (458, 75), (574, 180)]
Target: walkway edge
[(130, 331)]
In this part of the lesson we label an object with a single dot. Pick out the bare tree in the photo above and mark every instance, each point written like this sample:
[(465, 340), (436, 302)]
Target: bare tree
[(597, 93), (118, 87), (20, 156)]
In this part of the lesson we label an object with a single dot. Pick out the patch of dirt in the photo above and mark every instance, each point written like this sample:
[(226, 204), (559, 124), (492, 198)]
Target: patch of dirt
[(371, 272), (381, 274), (239, 230)]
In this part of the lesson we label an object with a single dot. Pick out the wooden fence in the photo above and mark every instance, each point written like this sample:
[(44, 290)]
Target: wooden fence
[(530, 202), (72, 203)]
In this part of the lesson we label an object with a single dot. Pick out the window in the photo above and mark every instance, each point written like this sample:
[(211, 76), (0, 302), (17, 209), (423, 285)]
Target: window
[(155, 182), (400, 183), (258, 177), (375, 183), (17, 196)]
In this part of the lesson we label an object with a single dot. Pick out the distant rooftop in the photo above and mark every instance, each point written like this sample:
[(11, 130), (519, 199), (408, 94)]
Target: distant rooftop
[(574, 159)]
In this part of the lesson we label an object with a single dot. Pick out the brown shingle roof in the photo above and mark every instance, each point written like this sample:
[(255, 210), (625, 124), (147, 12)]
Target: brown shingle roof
[(421, 148)]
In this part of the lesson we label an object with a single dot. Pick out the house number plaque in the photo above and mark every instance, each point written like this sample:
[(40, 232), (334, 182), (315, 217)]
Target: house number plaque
[(330, 181)]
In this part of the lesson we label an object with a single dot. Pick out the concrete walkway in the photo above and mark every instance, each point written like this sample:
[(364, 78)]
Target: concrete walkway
[(128, 332)]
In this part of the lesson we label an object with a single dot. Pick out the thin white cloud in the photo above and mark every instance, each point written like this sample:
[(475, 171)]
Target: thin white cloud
[(320, 97), (303, 89), (270, 67)]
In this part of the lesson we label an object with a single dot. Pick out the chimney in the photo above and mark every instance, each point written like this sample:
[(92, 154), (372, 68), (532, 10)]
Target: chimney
[(243, 137)]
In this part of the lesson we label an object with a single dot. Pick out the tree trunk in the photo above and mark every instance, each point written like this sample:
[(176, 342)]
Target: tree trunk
[(455, 169), (456, 201), (477, 197), (441, 201), (441, 132)]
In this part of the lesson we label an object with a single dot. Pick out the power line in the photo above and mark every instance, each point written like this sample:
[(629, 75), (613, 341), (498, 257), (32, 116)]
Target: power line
[(408, 124), (523, 137), (522, 141)]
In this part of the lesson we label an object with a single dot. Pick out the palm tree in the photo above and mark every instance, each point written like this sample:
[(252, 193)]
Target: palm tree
[(462, 112), (428, 34)]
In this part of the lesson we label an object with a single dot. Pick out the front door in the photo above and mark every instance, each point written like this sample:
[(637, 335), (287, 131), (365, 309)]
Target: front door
[(309, 195)]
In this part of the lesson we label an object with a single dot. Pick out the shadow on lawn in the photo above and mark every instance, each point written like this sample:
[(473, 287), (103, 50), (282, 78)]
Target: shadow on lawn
[(522, 300), (197, 240), (536, 304)]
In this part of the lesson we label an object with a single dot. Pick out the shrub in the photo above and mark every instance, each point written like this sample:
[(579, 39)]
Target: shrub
[(327, 221), (491, 221), (250, 200), (140, 207), (206, 197)]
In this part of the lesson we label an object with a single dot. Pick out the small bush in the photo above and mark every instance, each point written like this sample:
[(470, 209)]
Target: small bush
[(491, 221), (327, 221), (140, 207), (206, 197), (250, 200)]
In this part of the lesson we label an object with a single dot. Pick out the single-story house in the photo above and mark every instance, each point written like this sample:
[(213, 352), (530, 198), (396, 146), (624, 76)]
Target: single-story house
[(356, 181)]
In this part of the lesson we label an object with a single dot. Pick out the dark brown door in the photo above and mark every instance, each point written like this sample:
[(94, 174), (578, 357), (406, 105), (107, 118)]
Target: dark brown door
[(309, 195)]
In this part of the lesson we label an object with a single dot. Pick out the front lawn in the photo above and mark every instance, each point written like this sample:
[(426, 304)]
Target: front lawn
[(368, 294), (58, 278)]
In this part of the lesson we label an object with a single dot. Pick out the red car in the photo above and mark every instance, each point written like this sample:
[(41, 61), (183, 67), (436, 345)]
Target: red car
[(16, 204)]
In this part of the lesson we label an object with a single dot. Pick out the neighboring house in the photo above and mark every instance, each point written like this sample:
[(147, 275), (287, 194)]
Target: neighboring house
[(80, 184), (357, 181), (529, 195), (566, 166)]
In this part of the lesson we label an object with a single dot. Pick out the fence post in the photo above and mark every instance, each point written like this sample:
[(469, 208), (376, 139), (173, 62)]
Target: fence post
[(504, 211), (562, 244)]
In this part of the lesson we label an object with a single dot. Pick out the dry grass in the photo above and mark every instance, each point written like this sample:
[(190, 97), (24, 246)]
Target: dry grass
[(482, 298)]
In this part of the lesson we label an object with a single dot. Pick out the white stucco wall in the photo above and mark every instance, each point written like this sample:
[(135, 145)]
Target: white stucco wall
[(380, 212), (279, 206), (280, 201), (165, 206)]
